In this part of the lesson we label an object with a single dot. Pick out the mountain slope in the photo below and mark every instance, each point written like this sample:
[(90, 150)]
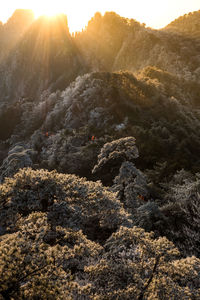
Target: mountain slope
[(130, 229), (189, 24), (13, 30), (49, 58), (108, 106), (113, 43), (46, 58)]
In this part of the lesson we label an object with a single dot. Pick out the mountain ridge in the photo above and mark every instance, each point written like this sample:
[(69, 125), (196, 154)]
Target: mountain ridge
[(125, 45), (99, 162)]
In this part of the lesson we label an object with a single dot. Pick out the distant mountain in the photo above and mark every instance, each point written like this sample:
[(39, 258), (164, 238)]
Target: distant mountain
[(48, 58), (189, 24), (13, 30), (45, 58), (113, 43), (103, 38)]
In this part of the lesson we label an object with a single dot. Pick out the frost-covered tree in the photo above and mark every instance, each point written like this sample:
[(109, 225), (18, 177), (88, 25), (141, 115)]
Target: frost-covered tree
[(131, 186), (134, 265), (130, 183), (61, 238), (183, 212), (113, 154), (70, 201), (18, 157), (37, 262)]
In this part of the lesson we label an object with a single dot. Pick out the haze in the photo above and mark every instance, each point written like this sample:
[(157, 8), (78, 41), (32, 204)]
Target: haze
[(155, 13)]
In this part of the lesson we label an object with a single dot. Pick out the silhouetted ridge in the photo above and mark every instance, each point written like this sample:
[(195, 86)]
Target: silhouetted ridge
[(13, 30), (103, 38), (189, 24), (20, 17), (46, 58)]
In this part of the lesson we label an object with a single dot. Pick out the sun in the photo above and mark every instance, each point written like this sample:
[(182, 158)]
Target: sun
[(48, 11), (77, 19)]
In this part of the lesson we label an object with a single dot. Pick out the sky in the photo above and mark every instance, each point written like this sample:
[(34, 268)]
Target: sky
[(154, 13)]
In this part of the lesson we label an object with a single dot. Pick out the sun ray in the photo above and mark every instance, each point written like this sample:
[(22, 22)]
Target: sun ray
[(47, 10), (154, 13)]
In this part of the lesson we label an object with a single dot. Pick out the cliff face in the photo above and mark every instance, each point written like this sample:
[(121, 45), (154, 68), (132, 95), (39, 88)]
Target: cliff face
[(12, 31), (45, 58)]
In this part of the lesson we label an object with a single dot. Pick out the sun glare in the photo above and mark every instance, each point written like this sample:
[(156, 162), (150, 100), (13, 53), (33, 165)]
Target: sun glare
[(154, 13), (48, 11), (77, 19)]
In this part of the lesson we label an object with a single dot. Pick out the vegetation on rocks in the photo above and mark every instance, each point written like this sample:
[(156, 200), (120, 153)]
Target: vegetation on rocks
[(99, 159)]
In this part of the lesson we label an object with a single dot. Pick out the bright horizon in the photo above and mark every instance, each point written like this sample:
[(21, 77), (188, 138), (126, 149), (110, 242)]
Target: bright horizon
[(154, 13)]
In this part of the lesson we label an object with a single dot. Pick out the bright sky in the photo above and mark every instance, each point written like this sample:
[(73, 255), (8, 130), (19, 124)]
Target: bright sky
[(155, 13)]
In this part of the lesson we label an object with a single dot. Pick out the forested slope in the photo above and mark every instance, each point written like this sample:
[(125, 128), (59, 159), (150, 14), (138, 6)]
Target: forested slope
[(189, 24), (99, 160), (111, 105)]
